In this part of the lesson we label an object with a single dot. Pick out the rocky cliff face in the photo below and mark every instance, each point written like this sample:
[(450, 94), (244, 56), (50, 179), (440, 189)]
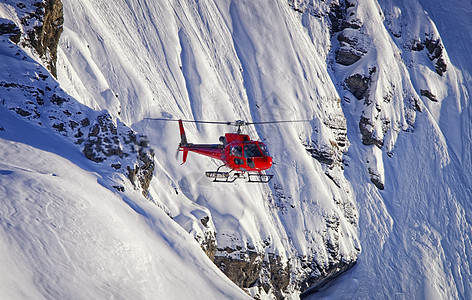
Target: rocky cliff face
[(40, 26), (34, 95), (383, 105)]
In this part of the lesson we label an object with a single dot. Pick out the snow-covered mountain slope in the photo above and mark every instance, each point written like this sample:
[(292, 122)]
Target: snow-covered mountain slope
[(65, 229), (416, 232), (379, 176), (227, 61), (402, 100), (65, 234)]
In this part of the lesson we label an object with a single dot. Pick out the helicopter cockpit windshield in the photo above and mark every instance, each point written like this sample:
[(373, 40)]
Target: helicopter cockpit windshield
[(264, 149), (251, 150)]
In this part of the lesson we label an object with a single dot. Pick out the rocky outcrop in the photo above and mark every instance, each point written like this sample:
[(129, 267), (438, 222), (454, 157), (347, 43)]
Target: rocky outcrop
[(366, 128), (35, 96), (329, 151), (429, 95), (40, 28), (342, 17), (324, 154), (10, 29), (107, 140), (358, 85), (249, 268), (315, 283), (346, 28), (350, 48), (241, 266), (434, 48)]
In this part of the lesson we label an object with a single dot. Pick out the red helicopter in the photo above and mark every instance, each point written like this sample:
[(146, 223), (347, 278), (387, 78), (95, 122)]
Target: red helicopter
[(244, 157)]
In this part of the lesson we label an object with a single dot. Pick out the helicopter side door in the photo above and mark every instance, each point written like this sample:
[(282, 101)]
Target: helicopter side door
[(237, 154)]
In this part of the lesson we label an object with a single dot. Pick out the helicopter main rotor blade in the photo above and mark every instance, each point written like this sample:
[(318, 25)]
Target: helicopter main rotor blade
[(235, 123), (190, 121), (276, 122)]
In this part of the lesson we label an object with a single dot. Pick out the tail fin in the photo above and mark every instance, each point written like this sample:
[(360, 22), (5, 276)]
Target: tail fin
[(183, 141), (183, 137)]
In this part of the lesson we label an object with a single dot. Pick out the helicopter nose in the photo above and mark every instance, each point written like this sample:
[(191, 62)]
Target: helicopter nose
[(264, 163), (269, 161)]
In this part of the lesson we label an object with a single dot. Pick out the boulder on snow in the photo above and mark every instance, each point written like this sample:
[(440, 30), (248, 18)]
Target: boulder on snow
[(358, 85), (429, 95), (367, 132), (350, 50)]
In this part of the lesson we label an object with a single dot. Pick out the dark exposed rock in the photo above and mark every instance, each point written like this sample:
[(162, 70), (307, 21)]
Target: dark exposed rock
[(7, 27), (429, 95), (315, 283), (116, 166), (347, 56), (324, 156), (358, 85), (249, 268), (57, 100), (366, 128), (22, 112), (376, 179), (98, 146), (59, 127), (318, 275), (85, 122), (242, 267), (101, 139), (435, 50), (350, 50), (105, 141), (44, 27), (276, 275), (119, 188), (415, 45), (205, 220), (341, 16), (209, 245)]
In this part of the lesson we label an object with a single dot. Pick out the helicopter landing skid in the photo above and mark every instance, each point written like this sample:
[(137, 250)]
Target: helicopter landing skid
[(230, 177), (259, 177), (224, 176)]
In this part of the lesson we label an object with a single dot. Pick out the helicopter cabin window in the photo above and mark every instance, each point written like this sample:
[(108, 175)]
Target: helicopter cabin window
[(239, 161), (251, 150), (237, 151)]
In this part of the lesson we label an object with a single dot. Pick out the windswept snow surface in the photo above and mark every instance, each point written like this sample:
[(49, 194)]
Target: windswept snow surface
[(65, 235), (227, 60)]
